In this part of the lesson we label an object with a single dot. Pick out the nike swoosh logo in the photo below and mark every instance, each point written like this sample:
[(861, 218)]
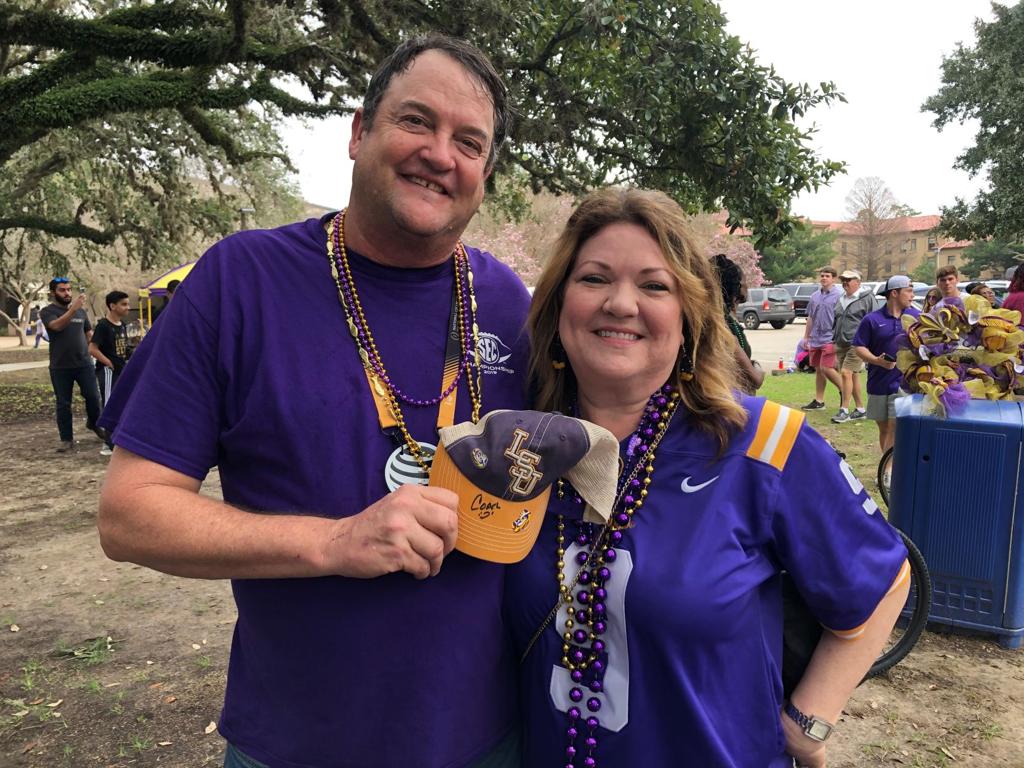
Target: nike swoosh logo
[(687, 488)]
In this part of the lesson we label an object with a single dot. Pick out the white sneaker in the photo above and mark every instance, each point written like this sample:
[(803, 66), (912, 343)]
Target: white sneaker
[(105, 451)]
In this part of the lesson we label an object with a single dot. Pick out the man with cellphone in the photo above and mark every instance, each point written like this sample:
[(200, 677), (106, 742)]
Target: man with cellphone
[(876, 344), (70, 332)]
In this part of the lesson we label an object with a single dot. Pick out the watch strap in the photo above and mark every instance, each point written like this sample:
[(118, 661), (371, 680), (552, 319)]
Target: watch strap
[(813, 727)]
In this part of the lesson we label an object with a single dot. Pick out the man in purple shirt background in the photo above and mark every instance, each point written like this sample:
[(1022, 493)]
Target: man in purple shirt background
[(361, 639), (821, 309), (876, 343)]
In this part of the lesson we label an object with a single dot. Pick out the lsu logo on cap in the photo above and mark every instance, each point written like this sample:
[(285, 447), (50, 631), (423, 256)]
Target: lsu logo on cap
[(502, 469), (523, 471)]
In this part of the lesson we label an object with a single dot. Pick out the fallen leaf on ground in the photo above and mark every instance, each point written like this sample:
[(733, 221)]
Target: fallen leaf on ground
[(210, 728), (170, 699), (164, 743), (56, 703), (15, 628)]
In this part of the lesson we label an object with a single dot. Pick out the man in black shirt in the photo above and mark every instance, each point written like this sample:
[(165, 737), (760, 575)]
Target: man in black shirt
[(70, 331), (109, 345)]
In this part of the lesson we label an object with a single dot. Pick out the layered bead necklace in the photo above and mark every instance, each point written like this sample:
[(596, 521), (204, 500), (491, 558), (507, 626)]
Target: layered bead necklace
[(465, 306), (584, 652)]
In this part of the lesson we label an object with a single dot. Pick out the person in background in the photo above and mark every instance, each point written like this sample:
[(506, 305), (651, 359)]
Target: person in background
[(985, 291), (172, 286), (1015, 298), (877, 342), (851, 308), (655, 639), (730, 277), (818, 335), (946, 279), (109, 346), (362, 639), (70, 331), (931, 298), (41, 334)]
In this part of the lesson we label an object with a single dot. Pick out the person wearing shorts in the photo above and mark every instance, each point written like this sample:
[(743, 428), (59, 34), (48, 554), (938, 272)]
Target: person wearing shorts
[(851, 308), (818, 336), (876, 343)]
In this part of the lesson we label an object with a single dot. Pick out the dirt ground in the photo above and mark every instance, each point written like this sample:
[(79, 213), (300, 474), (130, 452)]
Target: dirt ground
[(107, 664)]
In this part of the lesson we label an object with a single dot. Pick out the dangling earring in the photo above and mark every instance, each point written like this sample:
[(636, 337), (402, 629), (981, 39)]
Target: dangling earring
[(558, 357), (685, 360)]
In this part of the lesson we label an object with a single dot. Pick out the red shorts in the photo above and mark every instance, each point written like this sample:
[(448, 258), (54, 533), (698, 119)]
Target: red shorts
[(823, 356)]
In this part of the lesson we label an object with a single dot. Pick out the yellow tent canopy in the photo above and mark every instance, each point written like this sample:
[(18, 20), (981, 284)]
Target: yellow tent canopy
[(158, 287)]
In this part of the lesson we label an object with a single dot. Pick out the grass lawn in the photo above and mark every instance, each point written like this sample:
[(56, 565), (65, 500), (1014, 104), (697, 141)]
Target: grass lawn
[(857, 439)]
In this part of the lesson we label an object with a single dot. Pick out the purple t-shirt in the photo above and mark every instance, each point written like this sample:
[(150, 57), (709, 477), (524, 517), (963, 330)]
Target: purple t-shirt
[(252, 369), (694, 606), (821, 309), (880, 332)]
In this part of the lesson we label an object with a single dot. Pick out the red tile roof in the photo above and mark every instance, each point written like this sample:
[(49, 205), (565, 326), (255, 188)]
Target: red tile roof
[(903, 224)]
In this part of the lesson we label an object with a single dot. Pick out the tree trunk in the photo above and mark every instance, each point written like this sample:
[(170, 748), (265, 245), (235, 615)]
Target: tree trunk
[(18, 329)]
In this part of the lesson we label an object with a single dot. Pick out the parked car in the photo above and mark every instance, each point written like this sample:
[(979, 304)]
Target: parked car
[(766, 305), (801, 294)]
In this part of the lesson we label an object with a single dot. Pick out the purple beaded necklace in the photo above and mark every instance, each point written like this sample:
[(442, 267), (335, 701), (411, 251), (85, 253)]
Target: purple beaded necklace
[(361, 331), (584, 653), (464, 303)]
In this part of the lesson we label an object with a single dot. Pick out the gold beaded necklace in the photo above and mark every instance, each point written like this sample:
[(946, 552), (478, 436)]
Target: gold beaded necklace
[(380, 383)]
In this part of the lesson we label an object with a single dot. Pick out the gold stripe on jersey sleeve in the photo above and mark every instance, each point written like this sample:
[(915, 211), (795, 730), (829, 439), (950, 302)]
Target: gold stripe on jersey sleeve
[(777, 429), (852, 634)]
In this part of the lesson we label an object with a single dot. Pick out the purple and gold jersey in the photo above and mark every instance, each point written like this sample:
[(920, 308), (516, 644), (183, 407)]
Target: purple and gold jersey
[(695, 615), (253, 369)]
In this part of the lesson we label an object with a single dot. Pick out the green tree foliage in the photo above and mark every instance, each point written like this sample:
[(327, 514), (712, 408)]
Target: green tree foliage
[(983, 83), (798, 256), (647, 92), (994, 255), (924, 272)]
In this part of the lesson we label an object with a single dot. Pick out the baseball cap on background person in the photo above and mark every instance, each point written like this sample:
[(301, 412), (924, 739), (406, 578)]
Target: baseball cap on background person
[(894, 282), (502, 469), (850, 274)]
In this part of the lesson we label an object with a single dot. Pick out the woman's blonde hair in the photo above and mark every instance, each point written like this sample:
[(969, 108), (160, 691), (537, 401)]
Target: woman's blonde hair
[(708, 396)]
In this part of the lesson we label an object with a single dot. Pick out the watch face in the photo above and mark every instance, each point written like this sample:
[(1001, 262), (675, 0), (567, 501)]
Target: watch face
[(819, 730)]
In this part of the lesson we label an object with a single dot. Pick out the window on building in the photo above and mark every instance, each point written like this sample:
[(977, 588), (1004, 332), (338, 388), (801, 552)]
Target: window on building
[(887, 267), (951, 259), (902, 266), (913, 243), (931, 244), (888, 247)]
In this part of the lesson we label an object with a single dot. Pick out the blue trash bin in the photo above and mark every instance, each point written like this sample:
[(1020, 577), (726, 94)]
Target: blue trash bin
[(954, 492)]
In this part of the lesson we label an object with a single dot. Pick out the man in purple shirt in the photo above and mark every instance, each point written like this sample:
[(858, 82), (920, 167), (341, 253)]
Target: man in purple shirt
[(876, 343), (821, 309), (362, 639)]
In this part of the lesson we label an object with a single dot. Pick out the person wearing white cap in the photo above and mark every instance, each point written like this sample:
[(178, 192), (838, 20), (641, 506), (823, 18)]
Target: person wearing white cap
[(850, 310), (876, 342)]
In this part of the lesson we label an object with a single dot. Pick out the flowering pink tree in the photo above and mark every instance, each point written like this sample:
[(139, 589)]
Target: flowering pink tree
[(742, 253), (523, 246)]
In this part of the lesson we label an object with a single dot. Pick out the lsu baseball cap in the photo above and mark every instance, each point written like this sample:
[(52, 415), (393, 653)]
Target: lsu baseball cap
[(894, 282), (502, 469)]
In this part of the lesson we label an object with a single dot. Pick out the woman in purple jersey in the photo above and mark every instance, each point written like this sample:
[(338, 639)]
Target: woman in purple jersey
[(655, 639)]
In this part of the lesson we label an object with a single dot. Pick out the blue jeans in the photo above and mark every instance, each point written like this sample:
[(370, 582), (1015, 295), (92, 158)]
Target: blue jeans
[(504, 755), (63, 380)]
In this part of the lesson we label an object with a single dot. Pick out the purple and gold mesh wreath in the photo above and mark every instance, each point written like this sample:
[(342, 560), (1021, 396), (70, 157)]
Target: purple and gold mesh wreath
[(962, 349)]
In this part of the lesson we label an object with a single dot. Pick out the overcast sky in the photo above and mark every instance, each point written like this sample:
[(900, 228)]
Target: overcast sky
[(884, 55)]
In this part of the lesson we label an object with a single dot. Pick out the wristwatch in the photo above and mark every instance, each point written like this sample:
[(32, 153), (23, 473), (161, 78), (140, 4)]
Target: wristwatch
[(813, 727)]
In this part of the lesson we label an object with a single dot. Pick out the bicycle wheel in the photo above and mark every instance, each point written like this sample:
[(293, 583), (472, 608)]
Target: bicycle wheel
[(914, 617), (884, 476)]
